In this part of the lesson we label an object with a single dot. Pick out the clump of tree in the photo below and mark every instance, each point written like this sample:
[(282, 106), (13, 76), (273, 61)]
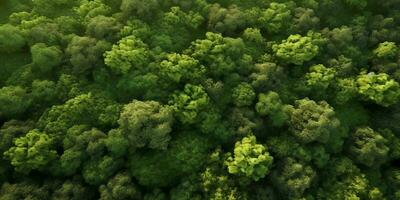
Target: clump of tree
[(205, 99)]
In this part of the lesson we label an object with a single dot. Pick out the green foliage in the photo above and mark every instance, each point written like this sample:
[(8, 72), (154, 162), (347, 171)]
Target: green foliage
[(146, 124), (243, 95), (181, 68), (83, 109), (25, 189), (72, 189), (225, 20), (267, 76), (139, 8), (296, 49), (270, 104), (33, 151), (215, 181), (386, 50), (11, 38), (189, 103), (320, 77), (199, 99), (13, 101), (43, 92), (293, 178), (119, 187), (45, 58), (102, 27), (368, 147), (275, 18), (221, 55), (378, 88), (99, 170), (360, 4), (345, 181), (86, 53), (249, 159), (79, 145), (311, 121), (90, 9), (184, 156), (130, 53), (53, 8)]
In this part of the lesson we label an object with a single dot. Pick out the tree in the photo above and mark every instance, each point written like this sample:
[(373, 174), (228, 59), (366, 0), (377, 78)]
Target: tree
[(86, 109), (311, 121), (73, 189), (175, 28), (86, 53), (250, 159), (181, 68), (143, 9), (98, 170), (225, 20), (53, 8), (45, 58), (343, 181), (252, 35), (386, 50), (14, 101), (43, 92), (102, 27), (80, 144), (320, 77), (130, 53), (270, 104), (221, 55), (292, 178), (392, 143), (305, 19), (346, 89), (90, 9), (188, 103), (243, 95), (8, 133), (215, 182), (276, 18), (185, 156), (189, 188), (120, 187), (296, 49), (359, 4), (199, 99), (11, 39), (379, 88), (25, 189), (267, 76), (368, 147), (146, 124), (35, 150)]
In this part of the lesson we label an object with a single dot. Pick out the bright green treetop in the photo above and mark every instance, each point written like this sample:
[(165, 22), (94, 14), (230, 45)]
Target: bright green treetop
[(33, 151), (386, 50), (249, 159), (379, 88), (129, 53), (296, 49), (189, 103)]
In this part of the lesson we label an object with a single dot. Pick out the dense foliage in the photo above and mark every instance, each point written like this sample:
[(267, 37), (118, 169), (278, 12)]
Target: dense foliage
[(199, 99)]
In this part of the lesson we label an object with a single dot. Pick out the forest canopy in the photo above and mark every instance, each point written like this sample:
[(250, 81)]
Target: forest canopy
[(199, 99)]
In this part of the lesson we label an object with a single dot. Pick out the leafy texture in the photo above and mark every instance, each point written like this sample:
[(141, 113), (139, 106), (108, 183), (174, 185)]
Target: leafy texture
[(199, 99)]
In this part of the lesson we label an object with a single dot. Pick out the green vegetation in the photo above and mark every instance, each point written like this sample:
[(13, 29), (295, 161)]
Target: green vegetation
[(199, 99)]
